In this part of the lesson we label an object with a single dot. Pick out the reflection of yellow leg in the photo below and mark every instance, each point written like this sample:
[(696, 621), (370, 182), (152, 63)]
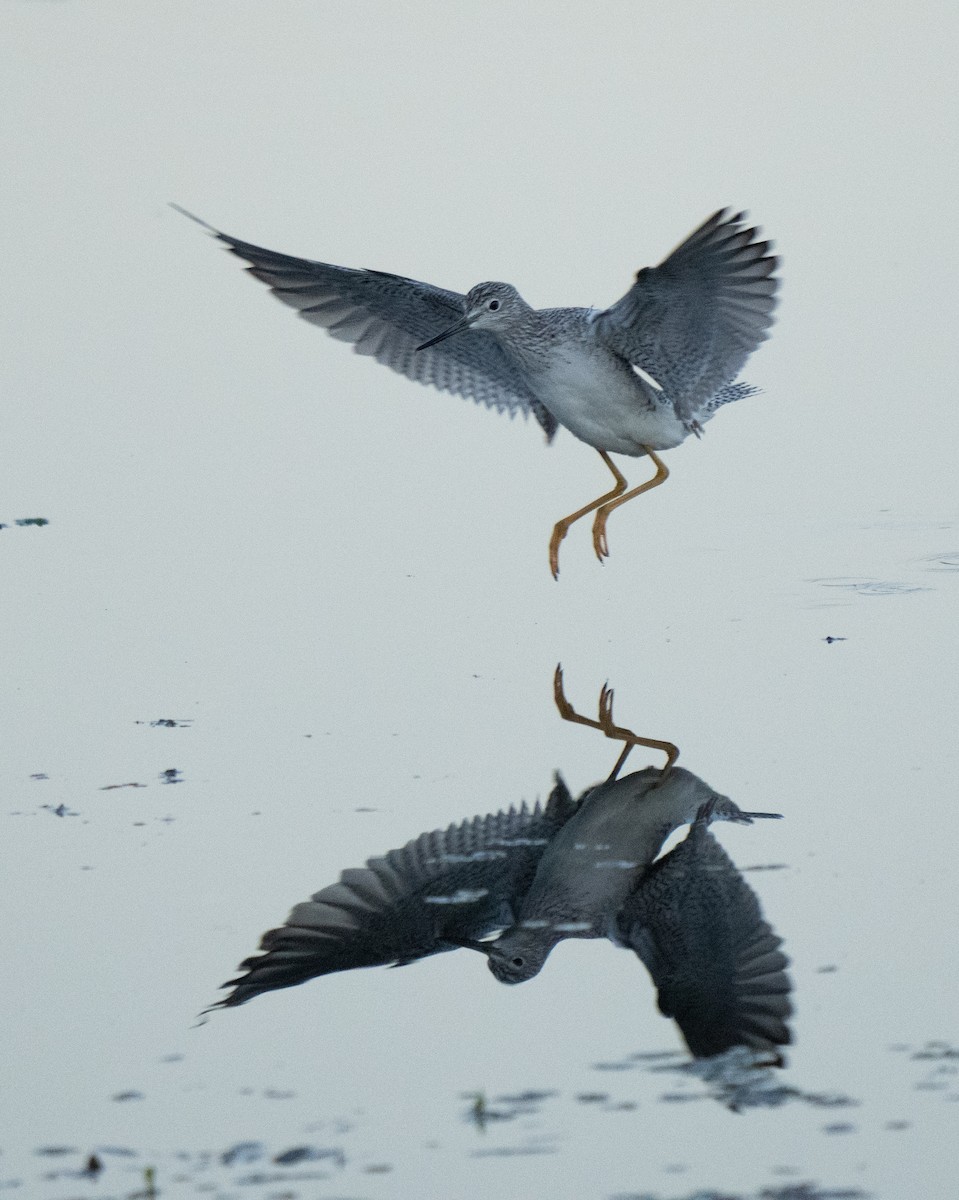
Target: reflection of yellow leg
[(600, 544), (605, 725), (561, 528)]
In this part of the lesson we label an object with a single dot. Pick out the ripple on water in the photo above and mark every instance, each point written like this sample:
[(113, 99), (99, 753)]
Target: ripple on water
[(871, 587)]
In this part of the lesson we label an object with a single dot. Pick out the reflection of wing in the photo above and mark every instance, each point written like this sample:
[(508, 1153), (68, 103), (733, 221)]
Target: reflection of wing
[(692, 322), (387, 317), (698, 927), (459, 883)]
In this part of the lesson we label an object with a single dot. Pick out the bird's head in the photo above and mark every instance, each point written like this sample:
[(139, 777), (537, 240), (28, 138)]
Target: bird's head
[(488, 306), (519, 954)]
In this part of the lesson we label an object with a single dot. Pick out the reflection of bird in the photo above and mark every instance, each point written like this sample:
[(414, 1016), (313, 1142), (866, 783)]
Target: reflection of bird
[(569, 869), (633, 379)]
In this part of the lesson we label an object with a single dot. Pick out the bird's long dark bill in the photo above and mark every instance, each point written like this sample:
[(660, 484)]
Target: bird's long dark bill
[(441, 337), (748, 817)]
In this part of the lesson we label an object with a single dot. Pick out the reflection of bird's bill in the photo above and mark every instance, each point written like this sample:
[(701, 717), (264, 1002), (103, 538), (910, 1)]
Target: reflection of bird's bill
[(459, 327), (471, 944)]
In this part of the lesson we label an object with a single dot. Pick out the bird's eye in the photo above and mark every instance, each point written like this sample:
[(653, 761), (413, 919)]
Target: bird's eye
[(517, 962), (493, 305)]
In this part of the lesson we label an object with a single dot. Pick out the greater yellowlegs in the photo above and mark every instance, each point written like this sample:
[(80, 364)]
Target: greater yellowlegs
[(635, 378)]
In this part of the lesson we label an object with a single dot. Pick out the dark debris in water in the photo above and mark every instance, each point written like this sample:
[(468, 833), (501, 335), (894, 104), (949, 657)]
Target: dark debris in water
[(38, 522), (243, 1153), (514, 1151), (527, 1097), (827, 1100), (790, 1191), (504, 1108), (741, 1079), (298, 1154), (944, 562), (283, 1171), (935, 1052), (940, 1062), (266, 1178)]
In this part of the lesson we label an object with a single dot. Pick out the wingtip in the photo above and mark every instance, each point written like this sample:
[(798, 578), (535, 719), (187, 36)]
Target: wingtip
[(193, 217)]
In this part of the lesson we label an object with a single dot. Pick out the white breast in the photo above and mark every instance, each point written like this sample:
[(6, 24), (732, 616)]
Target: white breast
[(599, 399)]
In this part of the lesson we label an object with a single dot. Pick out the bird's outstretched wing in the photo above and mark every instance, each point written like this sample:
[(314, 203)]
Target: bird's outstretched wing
[(692, 322), (444, 887), (386, 317), (716, 964)]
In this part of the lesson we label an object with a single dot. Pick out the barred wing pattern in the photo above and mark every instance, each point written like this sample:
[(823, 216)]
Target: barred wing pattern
[(459, 883), (716, 964), (386, 317), (692, 322)]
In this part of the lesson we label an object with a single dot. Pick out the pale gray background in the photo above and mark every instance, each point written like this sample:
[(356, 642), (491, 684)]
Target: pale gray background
[(341, 577)]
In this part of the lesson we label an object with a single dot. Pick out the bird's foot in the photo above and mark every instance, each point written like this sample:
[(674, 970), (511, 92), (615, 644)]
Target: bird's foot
[(559, 532), (600, 542)]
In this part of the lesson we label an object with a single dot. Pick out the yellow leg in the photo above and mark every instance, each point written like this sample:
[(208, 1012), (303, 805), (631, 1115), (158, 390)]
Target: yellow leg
[(561, 528), (605, 725), (600, 545)]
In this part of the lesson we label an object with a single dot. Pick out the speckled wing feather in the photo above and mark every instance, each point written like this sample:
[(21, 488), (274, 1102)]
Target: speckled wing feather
[(386, 317), (717, 965), (463, 882), (692, 322)]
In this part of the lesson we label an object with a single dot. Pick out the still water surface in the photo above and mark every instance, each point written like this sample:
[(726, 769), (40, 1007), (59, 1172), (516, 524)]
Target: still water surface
[(289, 610)]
